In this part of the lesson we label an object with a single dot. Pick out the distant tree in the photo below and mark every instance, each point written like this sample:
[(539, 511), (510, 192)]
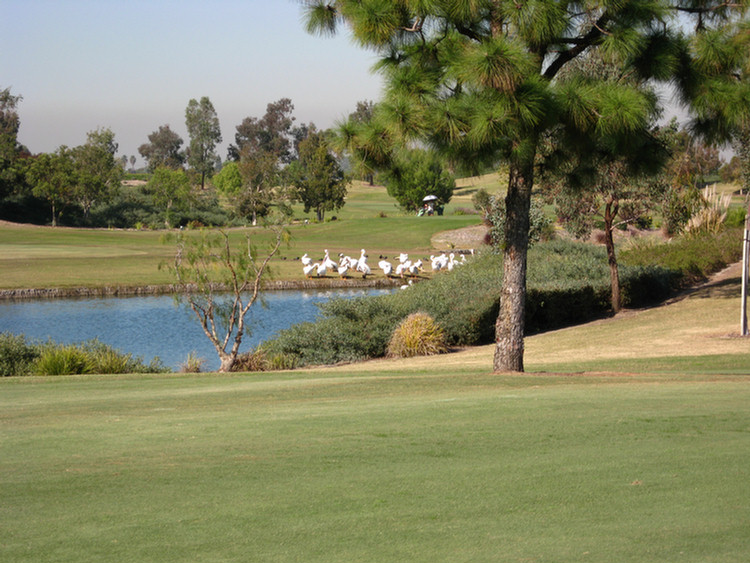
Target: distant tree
[(273, 133), (162, 150), (220, 281), (229, 182), (132, 162), (260, 174), (416, 173), (10, 150), (98, 173), (52, 177), (263, 146), (683, 175), (204, 131), (319, 181), (170, 190), (731, 172)]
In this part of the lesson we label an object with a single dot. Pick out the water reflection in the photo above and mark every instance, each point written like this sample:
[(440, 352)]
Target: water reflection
[(150, 326)]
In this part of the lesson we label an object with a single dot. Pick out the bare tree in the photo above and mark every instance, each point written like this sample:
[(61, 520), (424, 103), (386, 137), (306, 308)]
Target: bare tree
[(219, 277)]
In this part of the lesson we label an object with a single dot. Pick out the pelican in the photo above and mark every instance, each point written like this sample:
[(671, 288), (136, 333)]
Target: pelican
[(343, 268), (306, 260), (308, 269), (386, 266), (403, 257), (451, 262), (415, 268), (362, 264), (322, 269), (402, 268), (328, 262), (439, 262)]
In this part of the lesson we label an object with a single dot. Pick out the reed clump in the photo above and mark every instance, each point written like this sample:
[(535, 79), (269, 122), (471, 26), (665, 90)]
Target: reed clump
[(417, 335)]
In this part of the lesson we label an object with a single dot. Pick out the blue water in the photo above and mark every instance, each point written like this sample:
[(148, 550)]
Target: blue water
[(153, 326)]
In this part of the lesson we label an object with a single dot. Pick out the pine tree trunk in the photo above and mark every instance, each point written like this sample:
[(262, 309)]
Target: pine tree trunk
[(509, 328), (610, 211)]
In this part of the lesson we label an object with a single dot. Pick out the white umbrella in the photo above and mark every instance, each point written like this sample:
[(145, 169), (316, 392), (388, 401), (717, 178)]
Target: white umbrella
[(430, 198)]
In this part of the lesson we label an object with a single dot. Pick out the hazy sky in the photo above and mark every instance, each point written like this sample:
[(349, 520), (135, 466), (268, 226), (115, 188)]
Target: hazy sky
[(133, 65)]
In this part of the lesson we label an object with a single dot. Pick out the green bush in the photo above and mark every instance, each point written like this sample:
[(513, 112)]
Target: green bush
[(16, 355), (56, 359), (691, 259), (735, 217)]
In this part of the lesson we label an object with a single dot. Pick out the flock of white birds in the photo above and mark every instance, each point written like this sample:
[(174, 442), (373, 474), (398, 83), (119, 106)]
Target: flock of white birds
[(405, 268)]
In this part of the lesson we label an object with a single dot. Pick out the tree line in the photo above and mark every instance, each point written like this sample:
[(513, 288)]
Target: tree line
[(272, 161)]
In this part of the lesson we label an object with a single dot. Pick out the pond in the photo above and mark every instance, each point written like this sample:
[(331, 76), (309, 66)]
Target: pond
[(153, 326)]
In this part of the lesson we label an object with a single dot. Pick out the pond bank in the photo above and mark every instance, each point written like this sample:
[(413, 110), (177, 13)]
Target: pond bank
[(122, 291)]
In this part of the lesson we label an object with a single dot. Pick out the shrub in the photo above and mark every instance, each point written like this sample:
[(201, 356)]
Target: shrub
[(736, 217), (193, 363), (691, 259), (255, 360), (56, 359), (16, 355), (417, 335), (104, 359)]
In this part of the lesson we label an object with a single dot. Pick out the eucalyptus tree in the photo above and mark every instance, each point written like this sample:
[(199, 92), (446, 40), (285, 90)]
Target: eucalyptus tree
[(205, 133), (52, 177), (164, 149), (477, 79), (9, 147), (272, 133), (98, 173), (318, 180), (262, 147)]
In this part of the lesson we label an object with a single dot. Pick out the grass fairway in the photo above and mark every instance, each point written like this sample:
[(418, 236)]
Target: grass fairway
[(335, 466)]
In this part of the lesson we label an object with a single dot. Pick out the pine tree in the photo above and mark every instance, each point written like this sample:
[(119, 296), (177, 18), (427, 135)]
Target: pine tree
[(477, 79)]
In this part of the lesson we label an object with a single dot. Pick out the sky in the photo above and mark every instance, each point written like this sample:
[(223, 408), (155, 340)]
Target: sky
[(133, 65)]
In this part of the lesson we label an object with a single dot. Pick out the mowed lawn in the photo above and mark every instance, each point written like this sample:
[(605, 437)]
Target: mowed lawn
[(370, 467)]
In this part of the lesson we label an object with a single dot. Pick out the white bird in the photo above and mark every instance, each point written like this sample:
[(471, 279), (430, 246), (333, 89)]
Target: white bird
[(439, 262), (328, 262), (306, 260), (362, 264), (403, 257), (415, 268), (402, 268), (308, 269), (343, 268), (407, 285), (451, 262), (322, 270), (386, 266)]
